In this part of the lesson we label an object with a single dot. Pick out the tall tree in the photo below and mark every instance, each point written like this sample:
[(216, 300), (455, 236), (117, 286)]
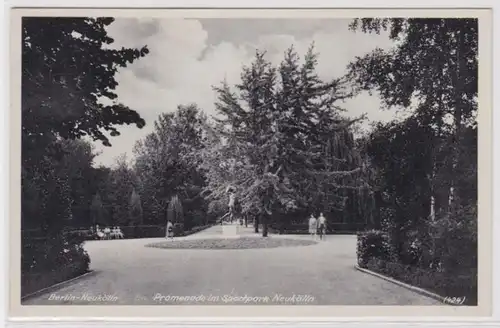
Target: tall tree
[(123, 180), (135, 208), (175, 212), (273, 131), (167, 163), (432, 70), (97, 211), (434, 66), (78, 159), (68, 69), (68, 74)]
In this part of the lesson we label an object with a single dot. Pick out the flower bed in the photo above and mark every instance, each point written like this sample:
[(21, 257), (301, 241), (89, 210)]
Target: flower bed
[(236, 243)]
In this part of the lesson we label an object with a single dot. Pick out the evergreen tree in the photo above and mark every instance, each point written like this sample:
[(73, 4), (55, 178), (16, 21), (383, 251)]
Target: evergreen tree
[(135, 209), (272, 136), (97, 211), (175, 213)]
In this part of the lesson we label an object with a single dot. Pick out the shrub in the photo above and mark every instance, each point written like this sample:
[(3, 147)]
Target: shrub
[(441, 283), (84, 234), (49, 260), (372, 244), (143, 231), (455, 236), (178, 229), (197, 229)]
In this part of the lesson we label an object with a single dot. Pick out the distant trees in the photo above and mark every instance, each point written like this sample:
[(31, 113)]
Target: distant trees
[(122, 180), (167, 163)]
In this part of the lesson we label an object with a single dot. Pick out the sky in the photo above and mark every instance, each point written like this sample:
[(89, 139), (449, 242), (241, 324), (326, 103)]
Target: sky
[(188, 57)]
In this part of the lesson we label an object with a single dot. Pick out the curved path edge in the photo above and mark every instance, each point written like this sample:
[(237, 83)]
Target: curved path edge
[(58, 285), (415, 289)]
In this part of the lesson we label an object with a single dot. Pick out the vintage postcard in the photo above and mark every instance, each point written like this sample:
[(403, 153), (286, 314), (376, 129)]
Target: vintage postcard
[(239, 163)]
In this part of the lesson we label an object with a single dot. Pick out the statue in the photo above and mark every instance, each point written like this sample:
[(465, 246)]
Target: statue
[(232, 203)]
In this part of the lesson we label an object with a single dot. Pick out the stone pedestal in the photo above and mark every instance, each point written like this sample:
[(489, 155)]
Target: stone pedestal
[(230, 231)]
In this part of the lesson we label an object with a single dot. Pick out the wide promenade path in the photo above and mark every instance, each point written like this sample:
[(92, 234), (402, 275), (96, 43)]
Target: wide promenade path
[(323, 274)]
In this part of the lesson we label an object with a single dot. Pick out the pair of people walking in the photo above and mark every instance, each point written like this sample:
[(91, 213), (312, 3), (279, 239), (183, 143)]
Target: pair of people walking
[(317, 226)]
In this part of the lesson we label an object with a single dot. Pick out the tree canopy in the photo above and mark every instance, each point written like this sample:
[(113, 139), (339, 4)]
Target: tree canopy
[(68, 69)]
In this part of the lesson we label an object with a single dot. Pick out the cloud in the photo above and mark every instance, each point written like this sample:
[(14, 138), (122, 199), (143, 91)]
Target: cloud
[(186, 60)]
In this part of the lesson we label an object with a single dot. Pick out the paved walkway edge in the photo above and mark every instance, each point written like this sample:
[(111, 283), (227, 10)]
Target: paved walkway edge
[(402, 284), (58, 285)]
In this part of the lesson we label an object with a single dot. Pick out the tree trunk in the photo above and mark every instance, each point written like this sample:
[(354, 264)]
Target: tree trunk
[(264, 225), (282, 225), (432, 210), (457, 121), (256, 223), (246, 220)]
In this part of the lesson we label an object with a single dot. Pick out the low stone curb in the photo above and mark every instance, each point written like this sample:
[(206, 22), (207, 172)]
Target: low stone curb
[(402, 284), (57, 286)]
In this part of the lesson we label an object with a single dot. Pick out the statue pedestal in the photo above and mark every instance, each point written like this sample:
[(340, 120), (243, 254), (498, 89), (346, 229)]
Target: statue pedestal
[(230, 231)]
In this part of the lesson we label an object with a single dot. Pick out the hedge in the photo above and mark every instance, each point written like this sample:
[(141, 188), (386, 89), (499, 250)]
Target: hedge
[(46, 261), (33, 282), (374, 253), (142, 231), (372, 244), (458, 284), (303, 228)]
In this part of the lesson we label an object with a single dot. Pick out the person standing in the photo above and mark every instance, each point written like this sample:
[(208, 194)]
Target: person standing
[(100, 234), (313, 226), (170, 230), (119, 233), (321, 225), (107, 233)]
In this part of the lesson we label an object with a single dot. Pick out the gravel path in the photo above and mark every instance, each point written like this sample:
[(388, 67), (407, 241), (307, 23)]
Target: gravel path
[(128, 273)]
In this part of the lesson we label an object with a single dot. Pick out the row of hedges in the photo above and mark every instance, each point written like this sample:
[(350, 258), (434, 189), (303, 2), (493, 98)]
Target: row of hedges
[(142, 231), (46, 261), (376, 253), (303, 228)]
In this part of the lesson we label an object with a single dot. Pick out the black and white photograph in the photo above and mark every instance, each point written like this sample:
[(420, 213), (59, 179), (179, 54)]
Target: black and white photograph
[(249, 161)]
